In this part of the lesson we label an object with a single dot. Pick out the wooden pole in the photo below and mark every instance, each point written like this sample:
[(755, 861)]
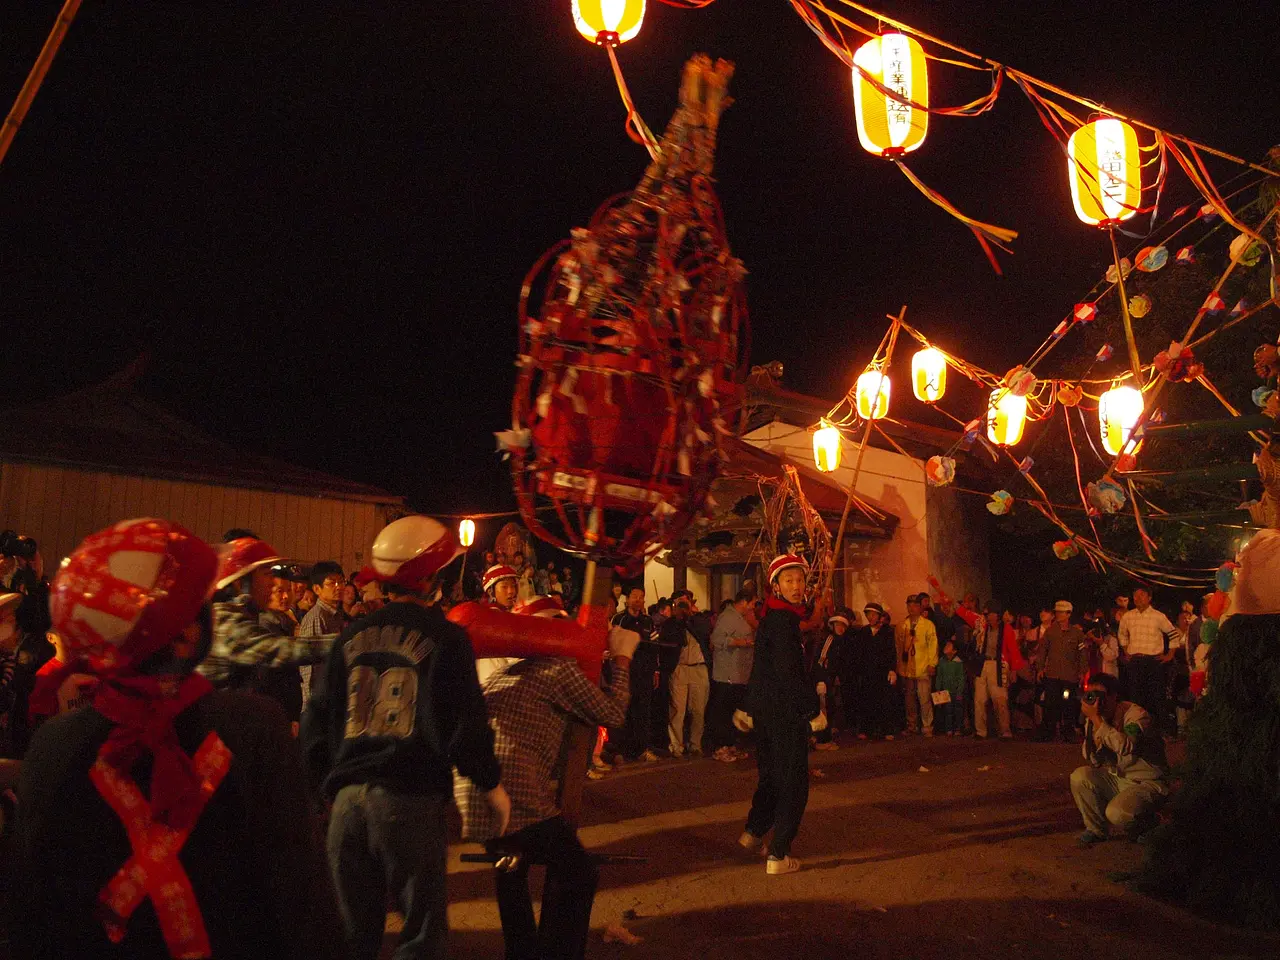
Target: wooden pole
[(857, 467), (1135, 362), (36, 77)]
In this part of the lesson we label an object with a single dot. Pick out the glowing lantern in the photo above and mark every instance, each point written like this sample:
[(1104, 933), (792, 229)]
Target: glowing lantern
[(929, 375), (826, 446), (608, 22), (872, 395), (887, 127), (1119, 411), (1105, 171), (467, 532), (1006, 415)]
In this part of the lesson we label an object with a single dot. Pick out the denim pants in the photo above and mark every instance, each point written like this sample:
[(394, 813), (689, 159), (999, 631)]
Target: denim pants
[(567, 893), (384, 842)]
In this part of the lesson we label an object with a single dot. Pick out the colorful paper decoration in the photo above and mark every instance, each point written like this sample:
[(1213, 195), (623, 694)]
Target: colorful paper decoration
[(1241, 306), (1225, 578), (872, 394), (887, 127), (1140, 305), (1187, 255), (1118, 413), (1006, 416), (1177, 363), (1105, 169), (1085, 312), (1105, 496), (1024, 467), (1126, 268), (1020, 381), (1001, 502), (1065, 549), (1207, 212), (1209, 630), (608, 23), (929, 375), (939, 470), (1217, 605), (1213, 304), (1070, 395), (827, 446), (1151, 259), (1103, 354), (1247, 250)]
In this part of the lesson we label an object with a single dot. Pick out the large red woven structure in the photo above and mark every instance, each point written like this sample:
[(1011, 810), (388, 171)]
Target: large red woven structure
[(632, 336)]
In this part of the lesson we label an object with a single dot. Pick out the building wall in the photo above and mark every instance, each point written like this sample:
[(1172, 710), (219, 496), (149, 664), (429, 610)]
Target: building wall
[(659, 582), (60, 507), (959, 542)]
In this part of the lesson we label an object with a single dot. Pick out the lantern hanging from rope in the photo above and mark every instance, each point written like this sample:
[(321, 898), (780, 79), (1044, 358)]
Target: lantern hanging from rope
[(888, 127), (1119, 411), (1006, 416), (608, 23), (1105, 170), (826, 446), (872, 394), (467, 532), (929, 374)]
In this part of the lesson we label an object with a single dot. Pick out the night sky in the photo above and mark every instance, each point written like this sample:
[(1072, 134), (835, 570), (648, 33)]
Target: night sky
[(315, 217)]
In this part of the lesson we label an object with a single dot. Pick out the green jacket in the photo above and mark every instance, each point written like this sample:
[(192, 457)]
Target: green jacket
[(950, 677)]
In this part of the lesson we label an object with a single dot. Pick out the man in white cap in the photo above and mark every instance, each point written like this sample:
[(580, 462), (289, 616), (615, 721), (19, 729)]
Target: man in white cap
[(1061, 660), (782, 703)]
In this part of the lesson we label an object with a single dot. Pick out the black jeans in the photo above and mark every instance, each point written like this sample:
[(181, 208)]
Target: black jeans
[(1059, 709), (567, 893), (725, 699), (1147, 677), (638, 732), (381, 842), (783, 791)]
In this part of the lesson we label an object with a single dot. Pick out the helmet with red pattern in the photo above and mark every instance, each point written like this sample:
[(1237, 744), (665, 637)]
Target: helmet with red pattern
[(128, 591), (241, 557), (411, 551)]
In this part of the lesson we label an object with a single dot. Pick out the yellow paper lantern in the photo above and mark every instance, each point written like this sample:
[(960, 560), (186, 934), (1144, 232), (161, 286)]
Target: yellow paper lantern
[(1105, 170), (608, 22), (1119, 411), (887, 127), (467, 532), (826, 446), (929, 375), (872, 395), (1006, 416)]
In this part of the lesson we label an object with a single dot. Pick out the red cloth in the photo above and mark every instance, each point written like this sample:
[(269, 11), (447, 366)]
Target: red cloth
[(44, 702), (143, 710), (777, 603), (1012, 653)]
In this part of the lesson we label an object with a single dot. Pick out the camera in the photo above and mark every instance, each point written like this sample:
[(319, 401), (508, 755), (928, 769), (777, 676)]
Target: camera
[(1093, 696), (13, 545)]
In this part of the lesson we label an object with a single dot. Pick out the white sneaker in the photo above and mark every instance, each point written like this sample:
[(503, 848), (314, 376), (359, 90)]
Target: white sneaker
[(778, 867), (749, 841)]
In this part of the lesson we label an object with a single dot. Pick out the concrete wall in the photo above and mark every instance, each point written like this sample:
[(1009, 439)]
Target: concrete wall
[(659, 582), (60, 507)]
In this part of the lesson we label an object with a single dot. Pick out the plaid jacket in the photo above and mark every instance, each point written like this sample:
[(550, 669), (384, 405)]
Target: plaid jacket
[(242, 645), (530, 703)]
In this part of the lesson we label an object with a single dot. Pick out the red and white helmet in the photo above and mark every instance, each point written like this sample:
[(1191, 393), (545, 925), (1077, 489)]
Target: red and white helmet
[(495, 574), (786, 562), (412, 550), (548, 606), (241, 557), (128, 591)]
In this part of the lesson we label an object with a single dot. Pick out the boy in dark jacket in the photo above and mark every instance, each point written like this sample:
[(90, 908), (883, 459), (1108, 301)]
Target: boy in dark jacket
[(951, 678), (781, 701), (398, 707)]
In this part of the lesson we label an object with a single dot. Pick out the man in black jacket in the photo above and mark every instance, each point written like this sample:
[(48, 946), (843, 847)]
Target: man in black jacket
[(782, 703), (872, 680), (638, 732), (399, 706)]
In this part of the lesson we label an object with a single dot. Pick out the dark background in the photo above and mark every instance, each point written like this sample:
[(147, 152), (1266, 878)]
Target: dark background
[(315, 217)]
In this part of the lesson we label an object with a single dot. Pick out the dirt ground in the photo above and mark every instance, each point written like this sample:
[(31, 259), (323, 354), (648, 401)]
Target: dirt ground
[(899, 863)]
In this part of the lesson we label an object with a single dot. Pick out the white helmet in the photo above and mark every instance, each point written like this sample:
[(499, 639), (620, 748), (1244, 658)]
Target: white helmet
[(411, 551)]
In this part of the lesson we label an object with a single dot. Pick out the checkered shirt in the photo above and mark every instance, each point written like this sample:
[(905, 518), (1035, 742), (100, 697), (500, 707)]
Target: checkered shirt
[(1143, 632), (530, 703)]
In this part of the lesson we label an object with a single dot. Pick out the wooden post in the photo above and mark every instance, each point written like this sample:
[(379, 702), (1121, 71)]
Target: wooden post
[(1135, 362), (27, 94)]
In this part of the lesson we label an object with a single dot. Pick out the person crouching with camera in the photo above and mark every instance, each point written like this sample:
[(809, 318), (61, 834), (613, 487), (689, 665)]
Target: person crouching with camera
[(1126, 777)]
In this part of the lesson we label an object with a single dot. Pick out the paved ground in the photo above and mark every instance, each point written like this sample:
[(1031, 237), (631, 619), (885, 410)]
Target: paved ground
[(900, 863)]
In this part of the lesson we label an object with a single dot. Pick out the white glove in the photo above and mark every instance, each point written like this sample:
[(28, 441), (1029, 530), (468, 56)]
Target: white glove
[(818, 723), (623, 643), (742, 721), (893, 677)]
